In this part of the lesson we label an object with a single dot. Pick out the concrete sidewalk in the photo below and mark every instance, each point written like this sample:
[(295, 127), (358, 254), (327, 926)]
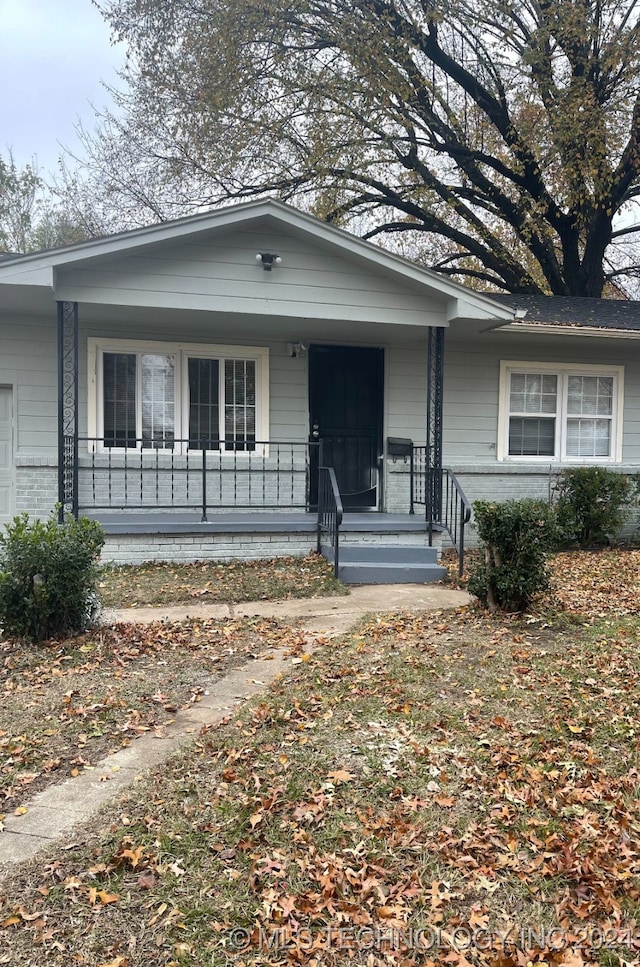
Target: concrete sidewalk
[(53, 813), (332, 615)]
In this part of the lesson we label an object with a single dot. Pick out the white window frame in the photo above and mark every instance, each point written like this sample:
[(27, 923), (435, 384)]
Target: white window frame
[(562, 371), (182, 352)]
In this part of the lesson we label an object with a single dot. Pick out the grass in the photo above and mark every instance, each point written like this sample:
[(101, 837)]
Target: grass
[(438, 788), (65, 705), (141, 585), (451, 772)]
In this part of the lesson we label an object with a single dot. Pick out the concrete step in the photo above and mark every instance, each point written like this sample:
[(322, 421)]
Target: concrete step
[(373, 553), (359, 572)]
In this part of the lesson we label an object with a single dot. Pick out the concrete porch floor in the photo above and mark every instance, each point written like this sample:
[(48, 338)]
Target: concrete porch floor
[(250, 522)]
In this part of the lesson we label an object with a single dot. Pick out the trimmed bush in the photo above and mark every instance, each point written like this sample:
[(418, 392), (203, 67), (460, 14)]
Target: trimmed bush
[(48, 575), (517, 536), (591, 505)]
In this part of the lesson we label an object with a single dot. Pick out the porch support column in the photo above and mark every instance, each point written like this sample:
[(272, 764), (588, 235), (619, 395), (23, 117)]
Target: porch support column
[(67, 409), (435, 385)]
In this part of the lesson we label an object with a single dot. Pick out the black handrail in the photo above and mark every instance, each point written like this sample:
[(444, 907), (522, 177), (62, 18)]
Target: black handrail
[(446, 505), (455, 512), (330, 513)]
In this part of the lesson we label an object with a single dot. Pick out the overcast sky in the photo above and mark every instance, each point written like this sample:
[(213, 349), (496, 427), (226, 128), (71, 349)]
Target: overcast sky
[(53, 56)]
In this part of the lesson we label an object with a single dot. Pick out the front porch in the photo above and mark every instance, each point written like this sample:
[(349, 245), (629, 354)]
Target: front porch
[(224, 492), (246, 401), (373, 548), (269, 499)]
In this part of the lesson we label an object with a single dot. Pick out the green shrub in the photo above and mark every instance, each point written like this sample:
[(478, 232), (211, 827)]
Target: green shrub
[(516, 536), (48, 577), (591, 504)]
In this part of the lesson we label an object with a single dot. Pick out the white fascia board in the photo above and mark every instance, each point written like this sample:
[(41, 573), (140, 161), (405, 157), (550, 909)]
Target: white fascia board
[(21, 273), (582, 331), (464, 307), (476, 305)]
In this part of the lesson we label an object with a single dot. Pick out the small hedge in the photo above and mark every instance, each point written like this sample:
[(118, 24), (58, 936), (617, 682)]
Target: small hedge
[(517, 536), (591, 505), (48, 574)]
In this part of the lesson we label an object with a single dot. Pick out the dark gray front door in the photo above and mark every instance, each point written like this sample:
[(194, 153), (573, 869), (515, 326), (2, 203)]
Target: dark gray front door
[(346, 386)]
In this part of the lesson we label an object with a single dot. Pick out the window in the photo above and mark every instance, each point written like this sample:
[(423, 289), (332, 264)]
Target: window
[(533, 403), (162, 396), (560, 413)]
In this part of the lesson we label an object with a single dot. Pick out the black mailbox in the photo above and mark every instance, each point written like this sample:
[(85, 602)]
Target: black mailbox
[(399, 446)]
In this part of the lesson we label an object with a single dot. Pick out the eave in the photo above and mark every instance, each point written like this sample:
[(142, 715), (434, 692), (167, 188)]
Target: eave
[(593, 332)]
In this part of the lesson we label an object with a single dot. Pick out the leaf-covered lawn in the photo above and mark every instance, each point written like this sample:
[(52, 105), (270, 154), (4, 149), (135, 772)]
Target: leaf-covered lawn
[(595, 584), (140, 585), (598, 584), (446, 788), (65, 705)]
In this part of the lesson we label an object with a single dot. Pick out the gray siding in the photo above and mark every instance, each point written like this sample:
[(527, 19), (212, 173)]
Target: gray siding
[(472, 373), (406, 391), (28, 353), (223, 275), (405, 416)]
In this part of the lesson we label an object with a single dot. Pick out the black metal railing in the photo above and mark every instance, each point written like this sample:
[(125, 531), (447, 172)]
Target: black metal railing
[(418, 477), (329, 514), (446, 505), (455, 513), (168, 475)]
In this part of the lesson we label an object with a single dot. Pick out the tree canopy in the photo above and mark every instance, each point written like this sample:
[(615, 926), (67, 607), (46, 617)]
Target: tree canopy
[(496, 142), (18, 198), (30, 218)]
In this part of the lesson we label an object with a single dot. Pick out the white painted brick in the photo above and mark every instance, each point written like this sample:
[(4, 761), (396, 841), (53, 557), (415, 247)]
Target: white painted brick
[(149, 547)]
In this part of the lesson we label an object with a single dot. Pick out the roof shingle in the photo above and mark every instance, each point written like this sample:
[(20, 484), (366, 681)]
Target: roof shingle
[(573, 311)]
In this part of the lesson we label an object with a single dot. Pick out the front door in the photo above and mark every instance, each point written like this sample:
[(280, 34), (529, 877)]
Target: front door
[(6, 454), (345, 406)]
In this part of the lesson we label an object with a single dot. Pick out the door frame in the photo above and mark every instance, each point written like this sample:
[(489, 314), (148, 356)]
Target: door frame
[(381, 377)]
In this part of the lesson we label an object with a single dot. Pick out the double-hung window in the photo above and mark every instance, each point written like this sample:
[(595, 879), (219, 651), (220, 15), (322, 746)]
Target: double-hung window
[(178, 397), (567, 413)]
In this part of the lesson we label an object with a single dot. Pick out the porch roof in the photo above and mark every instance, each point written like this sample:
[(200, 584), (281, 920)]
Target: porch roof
[(92, 272)]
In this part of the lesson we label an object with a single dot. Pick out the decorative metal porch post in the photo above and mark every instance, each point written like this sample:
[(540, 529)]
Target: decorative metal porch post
[(67, 409), (435, 383)]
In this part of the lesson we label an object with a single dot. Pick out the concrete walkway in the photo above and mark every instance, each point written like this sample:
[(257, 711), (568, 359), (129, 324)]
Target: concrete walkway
[(53, 813), (333, 615)]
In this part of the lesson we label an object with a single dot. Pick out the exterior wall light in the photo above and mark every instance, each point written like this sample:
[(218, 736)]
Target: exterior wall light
[(268, 260), (296, 349)]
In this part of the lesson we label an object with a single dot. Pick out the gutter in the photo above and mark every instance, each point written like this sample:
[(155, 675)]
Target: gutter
[(591, 331)]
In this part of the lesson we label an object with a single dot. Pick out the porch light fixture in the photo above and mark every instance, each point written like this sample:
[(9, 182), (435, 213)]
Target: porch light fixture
[(296, 349), (268, 260)]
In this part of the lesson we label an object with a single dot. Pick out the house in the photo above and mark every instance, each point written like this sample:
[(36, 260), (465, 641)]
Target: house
[(203, 385)]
